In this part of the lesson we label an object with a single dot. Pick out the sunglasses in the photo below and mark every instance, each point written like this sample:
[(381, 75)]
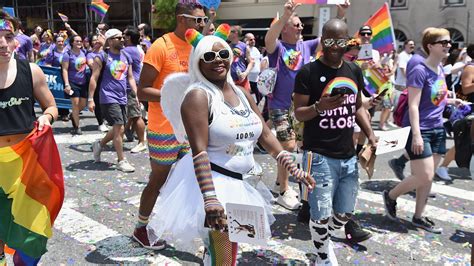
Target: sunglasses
[(365, 34), (297, 25), (198, 20), (117, 38), (339, 42), (444, 43), (209, 57)]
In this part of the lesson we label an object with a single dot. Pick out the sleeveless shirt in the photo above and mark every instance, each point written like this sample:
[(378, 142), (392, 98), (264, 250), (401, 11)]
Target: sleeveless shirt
[(16, 102)]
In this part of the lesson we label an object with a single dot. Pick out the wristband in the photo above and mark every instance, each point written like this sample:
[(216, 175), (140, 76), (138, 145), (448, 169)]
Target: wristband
[(90, 99), (52, 118), (202, 168), (67, 85), (316, 107)]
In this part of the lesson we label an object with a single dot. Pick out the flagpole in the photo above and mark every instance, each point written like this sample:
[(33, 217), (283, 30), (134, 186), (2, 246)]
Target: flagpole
[(392, 28)]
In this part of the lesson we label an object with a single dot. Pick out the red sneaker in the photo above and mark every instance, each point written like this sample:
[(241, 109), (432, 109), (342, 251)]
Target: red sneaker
[(141, 236)]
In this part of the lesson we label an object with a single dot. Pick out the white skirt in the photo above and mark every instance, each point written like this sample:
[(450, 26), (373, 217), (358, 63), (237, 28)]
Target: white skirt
[(178, 216)]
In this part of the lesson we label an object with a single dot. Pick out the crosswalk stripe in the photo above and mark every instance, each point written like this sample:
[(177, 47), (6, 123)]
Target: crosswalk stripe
[(77, 139), (430, 211), (440, 189), (87, 231)]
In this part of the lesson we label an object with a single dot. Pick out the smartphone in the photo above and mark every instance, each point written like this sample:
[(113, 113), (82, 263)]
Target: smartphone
[(381, 94), (340, 91)]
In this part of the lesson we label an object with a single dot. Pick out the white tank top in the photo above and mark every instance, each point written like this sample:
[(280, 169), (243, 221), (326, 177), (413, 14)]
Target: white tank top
[(233, 133)]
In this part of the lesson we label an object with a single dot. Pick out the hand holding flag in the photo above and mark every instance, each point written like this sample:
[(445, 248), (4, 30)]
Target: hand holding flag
[(63, 17)]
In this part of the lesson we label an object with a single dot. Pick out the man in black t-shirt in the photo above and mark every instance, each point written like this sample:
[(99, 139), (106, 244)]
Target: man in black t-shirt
[(328, 99)]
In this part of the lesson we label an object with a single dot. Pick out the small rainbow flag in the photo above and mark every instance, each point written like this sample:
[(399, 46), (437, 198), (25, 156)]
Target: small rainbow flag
[(63, 17), (321, 2), (374, 78), (99, 7), (31, 194), (383, 37)]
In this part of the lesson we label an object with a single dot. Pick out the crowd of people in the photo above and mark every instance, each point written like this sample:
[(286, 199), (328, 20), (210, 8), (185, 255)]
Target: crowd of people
[(192, 99)]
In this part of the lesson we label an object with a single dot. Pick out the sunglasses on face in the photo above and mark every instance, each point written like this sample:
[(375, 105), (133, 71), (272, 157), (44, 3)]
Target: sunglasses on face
[(365, 34), (297, 25), (444, 43), (117, 38), (209, 57), (339, 42), (198, 20)]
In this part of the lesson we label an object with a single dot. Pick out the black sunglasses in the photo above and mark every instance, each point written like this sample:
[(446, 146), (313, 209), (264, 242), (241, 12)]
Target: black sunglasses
[(365, 34), (209, 57), (444, 43)]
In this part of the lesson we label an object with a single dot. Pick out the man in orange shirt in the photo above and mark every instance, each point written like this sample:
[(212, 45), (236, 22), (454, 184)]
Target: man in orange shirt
[(168, 54)]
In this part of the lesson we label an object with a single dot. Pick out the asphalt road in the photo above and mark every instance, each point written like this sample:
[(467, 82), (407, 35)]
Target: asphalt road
[(101, 206)]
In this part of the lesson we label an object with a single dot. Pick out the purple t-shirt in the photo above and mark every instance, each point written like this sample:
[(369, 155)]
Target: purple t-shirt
[(415, 60), (137, 57), (240, 61), (77, 67), (24, 46), (43, 52), (91, 55), (433, 96), (55, 58), (290, 59), (113, 88)]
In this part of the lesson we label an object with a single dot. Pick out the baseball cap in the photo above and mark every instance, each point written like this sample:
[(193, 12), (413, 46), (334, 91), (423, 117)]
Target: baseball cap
[(365, 28), (112, 33)]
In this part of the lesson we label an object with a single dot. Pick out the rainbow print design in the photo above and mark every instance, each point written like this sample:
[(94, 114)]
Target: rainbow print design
[(6, 25), (118, 69), (193, 37), (80, 64), (223, 31), (237, 54), (31, 195), (99, 7), (63, 17), (293, 59), (340, 82), (439, 90)]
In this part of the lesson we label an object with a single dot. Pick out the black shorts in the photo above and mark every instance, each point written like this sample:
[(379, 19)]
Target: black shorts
[(79, 91), (114, 113)]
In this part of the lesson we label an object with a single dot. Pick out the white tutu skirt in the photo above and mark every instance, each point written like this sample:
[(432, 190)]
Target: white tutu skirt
[(178, 216)]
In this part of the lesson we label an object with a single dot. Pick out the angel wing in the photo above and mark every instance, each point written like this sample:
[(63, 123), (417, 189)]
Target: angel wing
[(172, 96)]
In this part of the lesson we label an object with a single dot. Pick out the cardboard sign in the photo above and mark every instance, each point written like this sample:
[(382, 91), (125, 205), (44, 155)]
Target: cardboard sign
[(393, 140), (246, 224), (365, 52)]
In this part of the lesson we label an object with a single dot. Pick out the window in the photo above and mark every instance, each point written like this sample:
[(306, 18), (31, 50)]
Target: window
[(454, 2), (401, 37), (398, 4), (457, 37)]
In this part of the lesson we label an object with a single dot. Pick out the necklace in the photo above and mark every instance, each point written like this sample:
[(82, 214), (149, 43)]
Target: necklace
[(244, 113)]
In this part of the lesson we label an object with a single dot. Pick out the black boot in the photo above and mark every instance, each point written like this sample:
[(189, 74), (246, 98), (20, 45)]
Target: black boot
[(303, 214), (355, 233)]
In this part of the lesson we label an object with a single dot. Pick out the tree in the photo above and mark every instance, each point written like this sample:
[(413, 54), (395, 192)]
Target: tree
[(164, 17)]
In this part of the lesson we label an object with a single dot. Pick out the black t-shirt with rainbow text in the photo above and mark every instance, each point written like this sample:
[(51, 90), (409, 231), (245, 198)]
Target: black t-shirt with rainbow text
[(330, 133)]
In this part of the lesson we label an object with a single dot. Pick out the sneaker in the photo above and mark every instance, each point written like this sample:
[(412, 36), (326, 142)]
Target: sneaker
[(96, 150), (290, 191), (139, 148), (129, 135), (125, 166), (303, 213), (355, 233), (141, 236), (288, 201), (384, 128), (103, 128), (390, 206), (397, 169), (331, 255), (427, 224), (442, 172), (76, 131), (276, 188), (391, 124)]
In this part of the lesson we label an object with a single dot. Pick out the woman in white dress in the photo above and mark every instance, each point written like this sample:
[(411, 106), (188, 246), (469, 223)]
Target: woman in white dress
[(222, 123)]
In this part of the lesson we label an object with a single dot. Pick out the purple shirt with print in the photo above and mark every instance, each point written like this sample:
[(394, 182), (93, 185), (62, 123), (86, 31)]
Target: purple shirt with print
[(290, 58), (113, 88), (43, 52), (137, 57), (240, 61), (25, 45), (77, 67), (416, 59), (433, 96), (55, 57), (91, 55)]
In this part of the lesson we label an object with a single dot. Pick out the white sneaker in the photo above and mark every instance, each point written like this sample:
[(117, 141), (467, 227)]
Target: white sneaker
[(288, 201), (442, 172), (139, 148), (292, 192), (96, 150), (103, 127), (332, 255), (276, 188), (125, 166)]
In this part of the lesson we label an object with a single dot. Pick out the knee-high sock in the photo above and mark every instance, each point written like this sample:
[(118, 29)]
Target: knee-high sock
[(336, 223), (221, 250), (320, 237)]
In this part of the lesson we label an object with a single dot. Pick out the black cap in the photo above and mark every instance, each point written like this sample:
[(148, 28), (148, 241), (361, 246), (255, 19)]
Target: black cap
[(365, 28)]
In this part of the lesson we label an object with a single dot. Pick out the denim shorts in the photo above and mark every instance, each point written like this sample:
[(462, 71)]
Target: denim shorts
[(337, 184), (434, 141), (283, 125)]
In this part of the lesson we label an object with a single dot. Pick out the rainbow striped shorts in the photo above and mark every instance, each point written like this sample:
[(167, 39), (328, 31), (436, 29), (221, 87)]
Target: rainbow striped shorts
[(165, 149)]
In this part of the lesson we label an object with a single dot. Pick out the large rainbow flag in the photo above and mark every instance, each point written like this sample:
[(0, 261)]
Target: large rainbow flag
[(383, 37), (31, 194), (99, 7), (374, 79)]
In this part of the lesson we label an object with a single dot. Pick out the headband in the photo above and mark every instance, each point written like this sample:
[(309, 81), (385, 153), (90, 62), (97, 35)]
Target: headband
[(7, 25), (193, 36)]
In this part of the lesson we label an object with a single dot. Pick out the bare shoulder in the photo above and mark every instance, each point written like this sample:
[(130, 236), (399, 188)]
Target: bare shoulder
[(195, 98)]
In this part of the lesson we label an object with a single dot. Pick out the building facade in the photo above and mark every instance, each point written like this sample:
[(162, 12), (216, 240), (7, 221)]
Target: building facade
[(410, 17)]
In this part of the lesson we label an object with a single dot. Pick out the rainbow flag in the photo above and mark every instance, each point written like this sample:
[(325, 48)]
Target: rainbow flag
[(383, 37), (31, 194), (321, 2), (99, 7), (374, 78), (63, 17)]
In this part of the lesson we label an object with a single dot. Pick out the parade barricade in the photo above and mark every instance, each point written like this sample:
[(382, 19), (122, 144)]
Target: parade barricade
[(55, 83)]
